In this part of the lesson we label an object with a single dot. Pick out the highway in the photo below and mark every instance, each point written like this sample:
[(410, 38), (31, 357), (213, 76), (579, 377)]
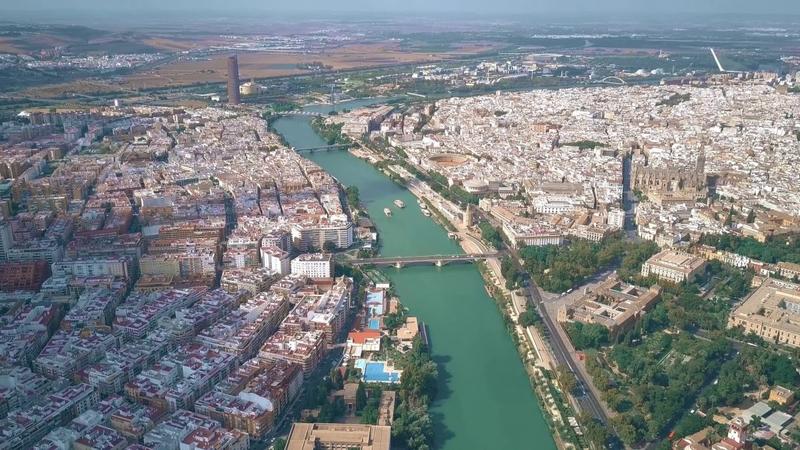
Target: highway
[(588, 401)]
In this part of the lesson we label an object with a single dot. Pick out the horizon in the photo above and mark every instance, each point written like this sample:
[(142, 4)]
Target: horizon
[(614, 22), (87, 12)]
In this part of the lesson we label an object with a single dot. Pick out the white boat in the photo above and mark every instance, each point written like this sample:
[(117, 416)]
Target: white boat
[(388, 212), (426, 213), (399, 204), (423, 206)]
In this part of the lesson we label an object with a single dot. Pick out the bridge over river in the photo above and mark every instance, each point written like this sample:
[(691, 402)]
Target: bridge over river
[(437, 260), (321, 148)]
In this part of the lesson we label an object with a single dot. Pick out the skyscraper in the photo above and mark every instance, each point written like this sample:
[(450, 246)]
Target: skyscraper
[(233, 80)]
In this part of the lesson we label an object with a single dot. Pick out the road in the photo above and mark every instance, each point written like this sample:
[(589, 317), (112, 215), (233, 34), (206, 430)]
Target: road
[(435, 259), (588, 400)]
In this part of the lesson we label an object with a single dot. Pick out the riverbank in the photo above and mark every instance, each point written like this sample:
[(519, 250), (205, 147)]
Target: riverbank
[(559, 408), (484, 397)]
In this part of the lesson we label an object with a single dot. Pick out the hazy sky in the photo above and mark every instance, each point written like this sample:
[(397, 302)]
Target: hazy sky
[(416, 6)]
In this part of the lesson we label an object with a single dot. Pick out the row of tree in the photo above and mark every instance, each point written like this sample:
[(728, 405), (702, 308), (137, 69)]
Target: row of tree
[(353, 196), (560, 268), (413, 425), (776, 249), (491, 234), (331, 133)]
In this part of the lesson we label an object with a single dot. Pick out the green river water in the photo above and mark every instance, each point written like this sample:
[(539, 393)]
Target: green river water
[(485, 400)]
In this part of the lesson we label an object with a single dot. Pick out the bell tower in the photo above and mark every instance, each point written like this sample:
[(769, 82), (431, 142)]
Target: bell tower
[(737, 431)]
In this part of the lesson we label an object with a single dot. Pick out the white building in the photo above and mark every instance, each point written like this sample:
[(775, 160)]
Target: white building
[(674, 266), (276, 260), (313, 265), (118, 267), (315, 235)]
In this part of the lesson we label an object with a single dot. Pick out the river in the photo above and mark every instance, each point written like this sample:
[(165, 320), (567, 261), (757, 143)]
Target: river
[(485, 400)]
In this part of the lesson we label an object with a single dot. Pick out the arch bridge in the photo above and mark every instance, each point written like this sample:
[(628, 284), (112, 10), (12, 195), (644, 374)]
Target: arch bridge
[(613, 80)]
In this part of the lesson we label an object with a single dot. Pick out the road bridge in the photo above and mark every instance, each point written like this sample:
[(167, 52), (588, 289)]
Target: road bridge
[(302, 113), (437, 260), (321, 148)]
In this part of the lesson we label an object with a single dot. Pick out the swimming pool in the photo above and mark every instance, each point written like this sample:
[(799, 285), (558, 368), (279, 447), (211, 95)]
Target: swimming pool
[(375, 302), (375, 372), (374, 324)]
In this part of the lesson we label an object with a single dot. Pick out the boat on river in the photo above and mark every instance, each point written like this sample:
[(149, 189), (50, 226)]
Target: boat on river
[(399, 203), (388, 212)]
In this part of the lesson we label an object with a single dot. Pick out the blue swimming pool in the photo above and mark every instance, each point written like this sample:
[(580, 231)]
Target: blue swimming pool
[(375, 372), (374, 324), (374, 302)]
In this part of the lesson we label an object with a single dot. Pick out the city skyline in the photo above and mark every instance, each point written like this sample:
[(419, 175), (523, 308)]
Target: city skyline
[(235, 225)]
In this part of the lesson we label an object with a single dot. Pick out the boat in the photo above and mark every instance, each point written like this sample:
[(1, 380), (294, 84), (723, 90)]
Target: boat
[(399, 204), (423, 206), (426, 213), (388, 212)]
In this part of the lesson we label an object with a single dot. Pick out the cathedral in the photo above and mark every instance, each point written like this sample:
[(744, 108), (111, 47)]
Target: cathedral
[(654, 180)]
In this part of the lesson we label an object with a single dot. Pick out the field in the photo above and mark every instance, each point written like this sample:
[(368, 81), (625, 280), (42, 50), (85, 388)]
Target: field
[(182, 72), (8, 46)]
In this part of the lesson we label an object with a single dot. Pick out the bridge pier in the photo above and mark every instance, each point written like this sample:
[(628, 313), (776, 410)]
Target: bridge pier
[(398, 265), (439, 263)]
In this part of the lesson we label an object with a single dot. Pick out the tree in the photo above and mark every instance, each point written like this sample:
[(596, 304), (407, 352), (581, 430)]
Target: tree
[(370, 414), (329, 247), (491, 234), (510, 272), (361, 397), (353, 197), (587, 335), (393, 321), (337, 381), (529, 318), (628, 428), (595, 432), (413, 425), (566, 379), (279, 444)]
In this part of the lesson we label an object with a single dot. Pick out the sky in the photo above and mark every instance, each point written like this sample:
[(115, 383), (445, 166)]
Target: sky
[(500, 7)]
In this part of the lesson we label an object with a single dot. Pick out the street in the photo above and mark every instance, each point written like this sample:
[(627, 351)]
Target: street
[(564, 356)]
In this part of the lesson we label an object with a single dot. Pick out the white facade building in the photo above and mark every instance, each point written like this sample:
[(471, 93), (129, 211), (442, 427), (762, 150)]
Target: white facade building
[(313, 265)]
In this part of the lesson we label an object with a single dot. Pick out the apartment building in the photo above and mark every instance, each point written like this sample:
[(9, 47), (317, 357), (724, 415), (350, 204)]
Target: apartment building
[(313, 265)]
